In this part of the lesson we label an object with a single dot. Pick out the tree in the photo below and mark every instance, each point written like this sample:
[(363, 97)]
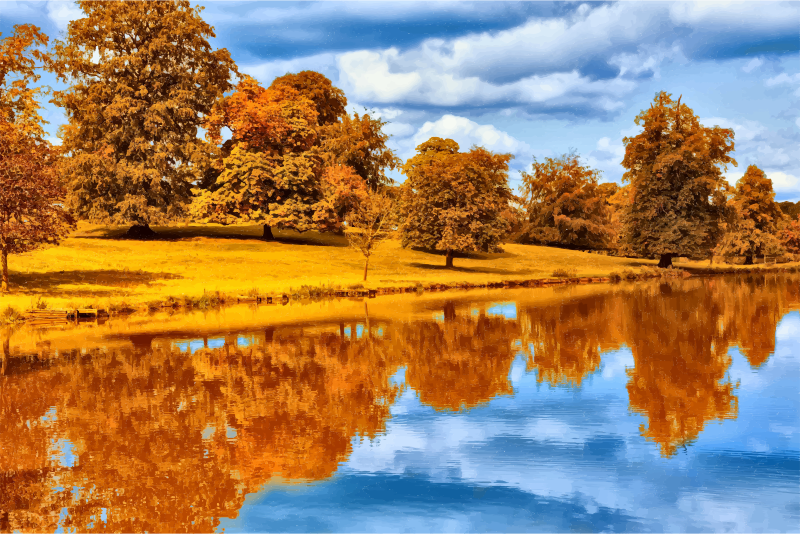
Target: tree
[(754, 218), (329, 101), (358, 141), (368, 224), (565, 204), (144, 77), (32, 213), (790, 236), (452, 201), (268, 174), (790, 209), (677, 195)]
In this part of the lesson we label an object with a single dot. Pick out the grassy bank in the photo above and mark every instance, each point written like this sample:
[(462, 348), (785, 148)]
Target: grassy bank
[(96, 267)]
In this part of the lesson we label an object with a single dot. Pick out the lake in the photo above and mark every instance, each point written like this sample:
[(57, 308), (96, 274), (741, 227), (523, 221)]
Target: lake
[(657, 406)]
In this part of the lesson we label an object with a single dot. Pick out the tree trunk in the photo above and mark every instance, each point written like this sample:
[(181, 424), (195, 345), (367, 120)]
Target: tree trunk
[(665, 262), (448, 262), (748, 260), (268, 233), (140, 231), (366, 265), (4, 282)]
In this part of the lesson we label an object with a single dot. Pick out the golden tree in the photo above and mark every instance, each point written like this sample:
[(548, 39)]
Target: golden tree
[(32, 212), (144, 77)]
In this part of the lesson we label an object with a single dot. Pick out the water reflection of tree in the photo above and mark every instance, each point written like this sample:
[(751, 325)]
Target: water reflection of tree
[(167, 442), (564, 341), (681, 357), (460, 362)]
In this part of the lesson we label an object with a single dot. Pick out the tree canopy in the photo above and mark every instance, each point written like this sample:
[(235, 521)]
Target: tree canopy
[(452, 201), (144, 77), (677, 194), (32, 213), (754, 218), (565, 204)]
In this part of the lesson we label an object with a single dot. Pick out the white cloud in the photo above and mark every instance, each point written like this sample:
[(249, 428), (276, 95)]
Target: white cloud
[(783, 79), (371, 76), (62, 12), (753, 64), (269, 70), (467, 133), (744, 130)]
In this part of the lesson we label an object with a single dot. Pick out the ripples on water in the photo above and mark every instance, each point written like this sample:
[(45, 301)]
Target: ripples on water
[(648, 407)]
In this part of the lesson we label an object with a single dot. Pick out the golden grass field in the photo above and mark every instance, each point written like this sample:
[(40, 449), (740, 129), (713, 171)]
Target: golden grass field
[(95, 267)]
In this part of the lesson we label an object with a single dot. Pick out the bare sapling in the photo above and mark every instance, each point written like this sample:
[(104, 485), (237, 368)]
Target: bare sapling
[(369, 223)]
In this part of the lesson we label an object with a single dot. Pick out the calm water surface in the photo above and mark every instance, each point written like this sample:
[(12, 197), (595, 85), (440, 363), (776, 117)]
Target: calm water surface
[(641, 407)]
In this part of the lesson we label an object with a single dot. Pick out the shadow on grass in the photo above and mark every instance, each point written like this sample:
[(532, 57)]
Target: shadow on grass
[(479, 270), (249, 233), (47, 282)]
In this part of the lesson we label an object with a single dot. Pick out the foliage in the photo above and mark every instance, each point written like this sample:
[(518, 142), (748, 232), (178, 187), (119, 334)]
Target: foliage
[(565, 205), (359, 142), (11, 315), (369, 223), (452, 201), (329, 101), (790, 236), (754, 218), (143, 78), (565, 273), (342, 192), (268, 174), (790, 209), (31, 196), (676, 199)]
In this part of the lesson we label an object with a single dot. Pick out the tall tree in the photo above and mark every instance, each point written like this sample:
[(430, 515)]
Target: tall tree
[(676, 199), (144, 77), (753, 226), (268, 175), (32, 213), (565, 204), (453, 201), (329, 101)]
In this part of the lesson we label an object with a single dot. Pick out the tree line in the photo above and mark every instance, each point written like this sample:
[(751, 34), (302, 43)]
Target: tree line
[(161, 128)]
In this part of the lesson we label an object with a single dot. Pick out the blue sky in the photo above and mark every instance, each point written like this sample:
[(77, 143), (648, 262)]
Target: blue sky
[(532, 78)]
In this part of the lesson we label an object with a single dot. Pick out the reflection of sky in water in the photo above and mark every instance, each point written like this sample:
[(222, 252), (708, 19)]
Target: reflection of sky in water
[(503, 309), (558, 459)]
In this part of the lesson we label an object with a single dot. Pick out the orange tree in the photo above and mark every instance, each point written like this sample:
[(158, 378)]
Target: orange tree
[(268, 173), (677, 194), (755, 216), (143, 78), (453, 201), (32, 212), (565, 205), (790, 236)]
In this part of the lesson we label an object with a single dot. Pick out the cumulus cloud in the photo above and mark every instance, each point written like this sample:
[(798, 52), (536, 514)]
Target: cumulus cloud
[(743, 130), (373, 76), (62, 12), (467, 133)]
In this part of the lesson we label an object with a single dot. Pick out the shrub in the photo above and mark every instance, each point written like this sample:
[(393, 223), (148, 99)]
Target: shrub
[(565, 273), (11, 315), (615, 276)]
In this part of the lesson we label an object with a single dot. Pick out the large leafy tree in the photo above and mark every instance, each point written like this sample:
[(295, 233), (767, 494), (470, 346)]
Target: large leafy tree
[(790, 236), (144, 77), (754, 218), (677, 194), (32, 213), (452, 201), (565, 205), (268, 173)]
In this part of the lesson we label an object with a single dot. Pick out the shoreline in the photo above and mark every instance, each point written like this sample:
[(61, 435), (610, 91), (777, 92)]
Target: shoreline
[(220, 300)]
